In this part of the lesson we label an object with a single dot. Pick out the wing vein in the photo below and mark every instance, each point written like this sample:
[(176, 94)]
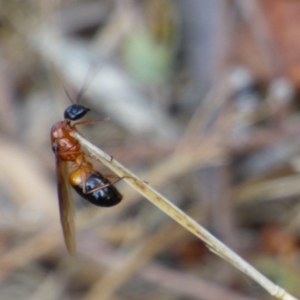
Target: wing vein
[(66, 206)]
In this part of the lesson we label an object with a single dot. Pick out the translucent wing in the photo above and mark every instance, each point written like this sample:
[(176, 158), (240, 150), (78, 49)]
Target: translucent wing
[(66, 207)]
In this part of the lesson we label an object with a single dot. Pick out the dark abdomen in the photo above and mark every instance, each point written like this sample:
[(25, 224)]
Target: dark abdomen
[(105, 197)]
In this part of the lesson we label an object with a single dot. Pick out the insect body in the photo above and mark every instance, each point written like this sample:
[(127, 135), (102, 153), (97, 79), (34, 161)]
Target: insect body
[(92, 185), (87, 182)]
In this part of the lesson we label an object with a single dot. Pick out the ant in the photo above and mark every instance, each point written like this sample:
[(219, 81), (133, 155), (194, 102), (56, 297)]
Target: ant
[(86, 181)]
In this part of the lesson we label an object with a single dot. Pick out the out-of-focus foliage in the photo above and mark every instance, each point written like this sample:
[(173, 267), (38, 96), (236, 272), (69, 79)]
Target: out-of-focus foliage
[(148, 60)]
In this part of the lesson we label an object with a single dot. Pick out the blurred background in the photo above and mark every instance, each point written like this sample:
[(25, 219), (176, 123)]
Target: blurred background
[(204, 104)]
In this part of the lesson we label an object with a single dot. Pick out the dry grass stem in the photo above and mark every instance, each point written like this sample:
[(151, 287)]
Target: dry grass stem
[(184, 220)]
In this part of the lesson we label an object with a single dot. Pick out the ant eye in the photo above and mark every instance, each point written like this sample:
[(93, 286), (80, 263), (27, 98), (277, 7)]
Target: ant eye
[(75, 112)]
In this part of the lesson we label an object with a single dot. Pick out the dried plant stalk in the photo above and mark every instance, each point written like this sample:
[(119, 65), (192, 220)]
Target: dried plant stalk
[(184, 220)]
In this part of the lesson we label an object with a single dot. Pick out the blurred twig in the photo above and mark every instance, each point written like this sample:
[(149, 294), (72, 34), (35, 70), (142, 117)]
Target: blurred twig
[(184, 220)]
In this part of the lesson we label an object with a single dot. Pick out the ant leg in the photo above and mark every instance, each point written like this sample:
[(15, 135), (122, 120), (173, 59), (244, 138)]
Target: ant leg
[(90, 122), (105, 185), (92, 157), (68, 152), (83, 180), (119, 178), (89, 155), (113, 176)]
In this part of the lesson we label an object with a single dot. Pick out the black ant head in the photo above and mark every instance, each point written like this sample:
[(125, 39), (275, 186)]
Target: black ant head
[(75, 112)]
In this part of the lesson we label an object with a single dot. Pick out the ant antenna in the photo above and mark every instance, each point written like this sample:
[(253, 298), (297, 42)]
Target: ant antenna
[(85, 86), (68, 95)]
